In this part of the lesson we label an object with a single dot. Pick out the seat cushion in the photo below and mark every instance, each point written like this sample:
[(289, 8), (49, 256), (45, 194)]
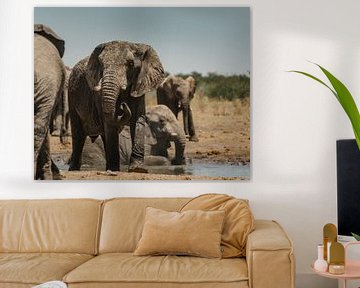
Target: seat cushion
[(160, 270), (35, 268)]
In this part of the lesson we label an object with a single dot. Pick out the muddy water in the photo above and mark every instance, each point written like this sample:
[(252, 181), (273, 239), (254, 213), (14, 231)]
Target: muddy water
[(204, 169), (195, 168)]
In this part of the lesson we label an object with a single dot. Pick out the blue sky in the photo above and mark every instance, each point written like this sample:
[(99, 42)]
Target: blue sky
[(202, 39)]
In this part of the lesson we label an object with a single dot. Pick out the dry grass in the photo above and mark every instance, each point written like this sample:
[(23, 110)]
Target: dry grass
[(220, 107)]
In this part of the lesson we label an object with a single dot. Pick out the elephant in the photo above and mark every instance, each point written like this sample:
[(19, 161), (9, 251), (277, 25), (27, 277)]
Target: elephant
[(49, 77), (160, 127), (60, 123), (177, 93), (106, 92)]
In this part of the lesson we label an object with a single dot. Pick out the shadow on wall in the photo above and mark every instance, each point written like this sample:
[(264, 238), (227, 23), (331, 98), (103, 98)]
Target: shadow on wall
[(303, 120), (312, 281)]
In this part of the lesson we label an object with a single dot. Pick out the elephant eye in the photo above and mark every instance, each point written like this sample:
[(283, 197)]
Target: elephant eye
[(162, 122), (131, 63)]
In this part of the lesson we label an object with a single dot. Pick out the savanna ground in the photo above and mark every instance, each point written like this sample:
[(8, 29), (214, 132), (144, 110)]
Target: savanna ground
[(223, 129)]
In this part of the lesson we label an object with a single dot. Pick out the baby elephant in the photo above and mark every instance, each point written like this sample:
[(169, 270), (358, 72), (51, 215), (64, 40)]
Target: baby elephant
[(176, 93), (154, 133)]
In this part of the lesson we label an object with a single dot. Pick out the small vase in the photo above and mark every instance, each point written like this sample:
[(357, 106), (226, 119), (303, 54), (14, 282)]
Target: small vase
[(320, 264)]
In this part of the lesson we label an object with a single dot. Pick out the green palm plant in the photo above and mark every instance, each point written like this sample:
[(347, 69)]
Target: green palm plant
[(357, 237), (344, 97)]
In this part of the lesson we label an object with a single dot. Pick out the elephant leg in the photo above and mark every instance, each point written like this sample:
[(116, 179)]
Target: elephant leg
[(111, 145), (179, 152), (191, 126), (45, 98), (64, 131), (78, 141), (160, 149), (125, 147), (138, 149), (51, 124), (65, 118), (137, 108), (57, 125), (55, 171), (44, 163), (67, 122)]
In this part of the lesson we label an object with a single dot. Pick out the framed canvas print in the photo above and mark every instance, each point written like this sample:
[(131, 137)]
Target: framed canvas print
[(142, 93)]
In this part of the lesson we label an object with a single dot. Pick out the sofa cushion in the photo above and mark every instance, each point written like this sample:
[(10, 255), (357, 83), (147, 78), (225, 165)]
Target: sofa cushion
[(193, 232), (36, 268), (238, 223), (126, 268), (63, 226), (123, 220)]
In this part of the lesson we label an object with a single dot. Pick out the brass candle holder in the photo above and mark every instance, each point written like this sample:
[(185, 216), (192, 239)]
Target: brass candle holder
[(334, 252), (329, 236), (337, 258)]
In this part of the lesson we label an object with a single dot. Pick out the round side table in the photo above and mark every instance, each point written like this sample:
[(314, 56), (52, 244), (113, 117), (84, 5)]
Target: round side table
[(352, 269)]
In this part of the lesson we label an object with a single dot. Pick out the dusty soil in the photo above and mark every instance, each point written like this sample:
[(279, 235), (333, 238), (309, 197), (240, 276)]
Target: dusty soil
[(103, 175), (223, 129)]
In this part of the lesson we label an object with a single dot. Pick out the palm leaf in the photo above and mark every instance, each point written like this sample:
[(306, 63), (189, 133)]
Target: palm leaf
[(344, 97), (357, 237)]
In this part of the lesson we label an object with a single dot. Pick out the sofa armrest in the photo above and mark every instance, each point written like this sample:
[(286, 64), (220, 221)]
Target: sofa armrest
[(269, 256)]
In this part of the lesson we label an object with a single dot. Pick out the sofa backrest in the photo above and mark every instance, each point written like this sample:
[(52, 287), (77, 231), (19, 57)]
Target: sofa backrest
[(123, 220), (64, 226)]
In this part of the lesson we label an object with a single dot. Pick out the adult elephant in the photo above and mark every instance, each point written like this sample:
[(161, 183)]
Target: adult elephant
[(49, 77), (106, 91), (176, 93), (156, 129)]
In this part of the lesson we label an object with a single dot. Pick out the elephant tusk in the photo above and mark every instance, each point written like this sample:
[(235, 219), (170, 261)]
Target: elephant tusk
[(125, 112), (174, 134), (98, 87)]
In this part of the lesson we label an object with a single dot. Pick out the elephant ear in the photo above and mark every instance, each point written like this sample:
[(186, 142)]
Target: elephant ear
[(168, 83), (150, 137), (192, 85), (151, 74), (50, 35), (94, 68)]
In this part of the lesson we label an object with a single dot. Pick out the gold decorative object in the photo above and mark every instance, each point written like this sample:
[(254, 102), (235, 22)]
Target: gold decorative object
[(337, 258), (330, 236)]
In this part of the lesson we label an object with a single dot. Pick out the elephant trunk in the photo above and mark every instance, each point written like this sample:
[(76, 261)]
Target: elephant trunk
[(111, 85), (180, 141), (185, 111)]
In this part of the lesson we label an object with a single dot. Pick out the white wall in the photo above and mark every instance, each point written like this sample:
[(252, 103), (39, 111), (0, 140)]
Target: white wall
[(295, 122)]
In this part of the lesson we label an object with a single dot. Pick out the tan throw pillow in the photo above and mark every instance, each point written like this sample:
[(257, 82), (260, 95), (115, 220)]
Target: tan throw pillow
[(239, 220), (196, 233)]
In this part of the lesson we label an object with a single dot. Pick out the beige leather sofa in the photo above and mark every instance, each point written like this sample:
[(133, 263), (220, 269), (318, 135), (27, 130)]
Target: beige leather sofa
[(89, 243)]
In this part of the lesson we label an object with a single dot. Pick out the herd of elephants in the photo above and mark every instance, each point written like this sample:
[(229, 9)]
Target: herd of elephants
[(103, 95)]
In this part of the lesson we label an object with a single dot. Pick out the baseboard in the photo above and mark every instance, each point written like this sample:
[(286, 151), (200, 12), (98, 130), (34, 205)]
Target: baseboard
[(310, 280)]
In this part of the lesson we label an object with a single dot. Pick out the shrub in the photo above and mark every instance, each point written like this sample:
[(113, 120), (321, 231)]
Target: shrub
[(220, 86)]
